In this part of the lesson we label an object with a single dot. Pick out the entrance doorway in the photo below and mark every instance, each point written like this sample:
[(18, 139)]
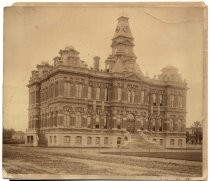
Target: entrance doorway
[(130, 123)]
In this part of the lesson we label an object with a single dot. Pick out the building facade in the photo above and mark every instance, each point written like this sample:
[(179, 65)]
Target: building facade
[(72, 105)]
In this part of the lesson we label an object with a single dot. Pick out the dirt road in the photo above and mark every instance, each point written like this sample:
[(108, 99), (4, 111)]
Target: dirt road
[(62, 161)]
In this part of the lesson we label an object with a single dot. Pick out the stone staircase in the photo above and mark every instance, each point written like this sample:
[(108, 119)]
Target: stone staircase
[(141, 141)]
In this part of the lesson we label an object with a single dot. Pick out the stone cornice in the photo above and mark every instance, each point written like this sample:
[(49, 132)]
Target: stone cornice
[(93, 74)]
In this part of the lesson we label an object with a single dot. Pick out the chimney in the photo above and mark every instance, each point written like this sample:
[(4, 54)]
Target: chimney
[(96, 60)]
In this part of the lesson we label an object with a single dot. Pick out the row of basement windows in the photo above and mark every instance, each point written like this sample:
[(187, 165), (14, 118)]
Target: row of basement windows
[(78, 140), (172, 142)]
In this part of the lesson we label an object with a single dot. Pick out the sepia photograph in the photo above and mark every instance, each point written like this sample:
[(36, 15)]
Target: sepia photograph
[(105, 91)]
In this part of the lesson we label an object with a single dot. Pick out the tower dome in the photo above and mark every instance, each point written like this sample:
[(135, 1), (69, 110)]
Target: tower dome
[(170, 73)]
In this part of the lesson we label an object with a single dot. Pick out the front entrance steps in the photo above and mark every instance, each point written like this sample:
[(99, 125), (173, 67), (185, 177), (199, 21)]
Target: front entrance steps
[(141, 141)]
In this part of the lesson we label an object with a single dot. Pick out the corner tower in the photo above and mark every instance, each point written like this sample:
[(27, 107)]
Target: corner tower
[(122, 58)]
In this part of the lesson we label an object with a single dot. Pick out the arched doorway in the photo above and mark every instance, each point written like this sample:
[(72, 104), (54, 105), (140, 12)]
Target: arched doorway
[(130, 123)]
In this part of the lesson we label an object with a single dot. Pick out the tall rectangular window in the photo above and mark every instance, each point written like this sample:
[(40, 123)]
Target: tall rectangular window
[(172, 142), (56, 89), (106, 140), (180, 142), (97, 93), (179, 125), (161, 99), (132, 96), (52, 90), (171, 100), (97, 140), (55, 139), (67, 87), (142, 97), (180, 102), (171, 125), (105, 122), (129, 96), (154, 99), (105, 94), (89, 140), (78, 140), (97, 122), (88, 121), (119, 94), (89, 92), (67, 119), (78, 121), (118, 123), (78, 90), (50, 139)]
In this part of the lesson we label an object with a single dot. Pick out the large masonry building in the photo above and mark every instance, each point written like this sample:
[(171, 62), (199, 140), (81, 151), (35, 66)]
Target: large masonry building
[(73, 105)]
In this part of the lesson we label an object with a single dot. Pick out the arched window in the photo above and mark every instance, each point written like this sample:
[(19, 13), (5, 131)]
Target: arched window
[(171, 125), (119, 94), (129, 96), (119, 140)]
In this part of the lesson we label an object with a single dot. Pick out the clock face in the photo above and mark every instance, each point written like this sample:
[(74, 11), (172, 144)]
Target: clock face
[(125, 29)]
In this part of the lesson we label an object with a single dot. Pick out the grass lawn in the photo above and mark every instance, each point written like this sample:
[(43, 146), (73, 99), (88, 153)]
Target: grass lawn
[(189, 156)]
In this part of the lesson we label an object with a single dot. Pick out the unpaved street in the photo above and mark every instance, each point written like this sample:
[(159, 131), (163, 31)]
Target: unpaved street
[(36, 160)]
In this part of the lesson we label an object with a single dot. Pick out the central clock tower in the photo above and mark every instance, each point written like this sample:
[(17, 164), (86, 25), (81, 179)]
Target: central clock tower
[(123, 39), (122, 58)]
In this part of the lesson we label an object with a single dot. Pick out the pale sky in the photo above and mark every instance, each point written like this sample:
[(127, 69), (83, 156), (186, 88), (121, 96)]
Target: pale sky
[(163, 36)]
